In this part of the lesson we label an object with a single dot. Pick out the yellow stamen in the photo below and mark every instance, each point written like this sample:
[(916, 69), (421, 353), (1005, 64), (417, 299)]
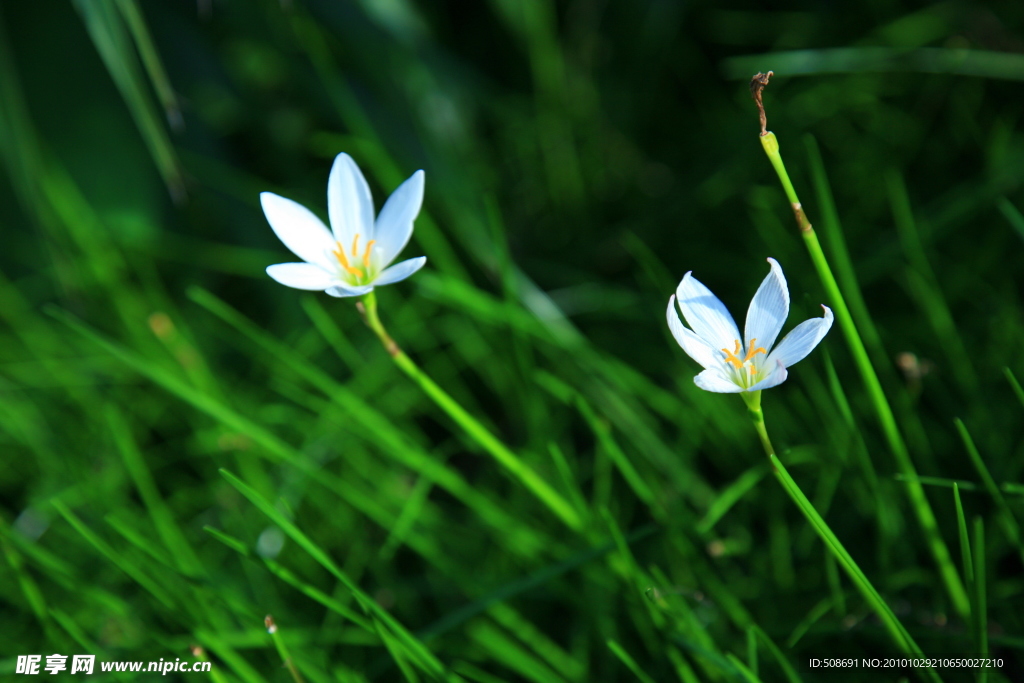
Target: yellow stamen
[(753, 350), (731, 356), (355, 245), (339, 254), (366, 256)]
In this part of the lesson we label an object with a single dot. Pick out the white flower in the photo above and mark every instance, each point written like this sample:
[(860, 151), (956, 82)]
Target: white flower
[(353, 257), (733, 364)]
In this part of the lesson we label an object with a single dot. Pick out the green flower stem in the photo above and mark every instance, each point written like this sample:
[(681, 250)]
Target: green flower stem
[(919, 501), (505, 457), (903, 639)]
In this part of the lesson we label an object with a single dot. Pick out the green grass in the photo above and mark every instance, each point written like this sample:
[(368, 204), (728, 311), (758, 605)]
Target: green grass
[(538, 491)]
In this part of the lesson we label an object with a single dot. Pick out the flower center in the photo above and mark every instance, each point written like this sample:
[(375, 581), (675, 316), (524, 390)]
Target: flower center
[(360, 273), (733, 359)]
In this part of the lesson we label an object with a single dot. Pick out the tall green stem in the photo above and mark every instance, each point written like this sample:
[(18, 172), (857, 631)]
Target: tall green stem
[(919, 501), (892, 624), (505, 457)]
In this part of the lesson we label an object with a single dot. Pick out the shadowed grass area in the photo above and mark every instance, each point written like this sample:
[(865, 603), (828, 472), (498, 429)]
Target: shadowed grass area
[(543, 494)]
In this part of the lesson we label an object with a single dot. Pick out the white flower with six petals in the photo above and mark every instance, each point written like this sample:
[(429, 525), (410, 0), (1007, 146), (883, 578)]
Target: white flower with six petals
[(353, 257), (733, 364)]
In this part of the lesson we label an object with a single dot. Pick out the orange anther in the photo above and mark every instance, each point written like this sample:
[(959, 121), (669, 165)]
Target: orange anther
[(366, 255), (732, 356), (355, 245), (753, 350), (339, 254)]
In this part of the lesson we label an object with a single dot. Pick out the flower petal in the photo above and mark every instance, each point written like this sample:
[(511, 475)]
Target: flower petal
[(341, 289), (302, 276), (394, 224), (705, 314), (801, 340), (399, 271), (301, 231), (768, 309), (349, 203), (775, 377), (695, 347), (713, 379)]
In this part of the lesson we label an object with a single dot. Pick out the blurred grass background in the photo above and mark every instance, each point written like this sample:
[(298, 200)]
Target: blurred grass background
[(581, 156)]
